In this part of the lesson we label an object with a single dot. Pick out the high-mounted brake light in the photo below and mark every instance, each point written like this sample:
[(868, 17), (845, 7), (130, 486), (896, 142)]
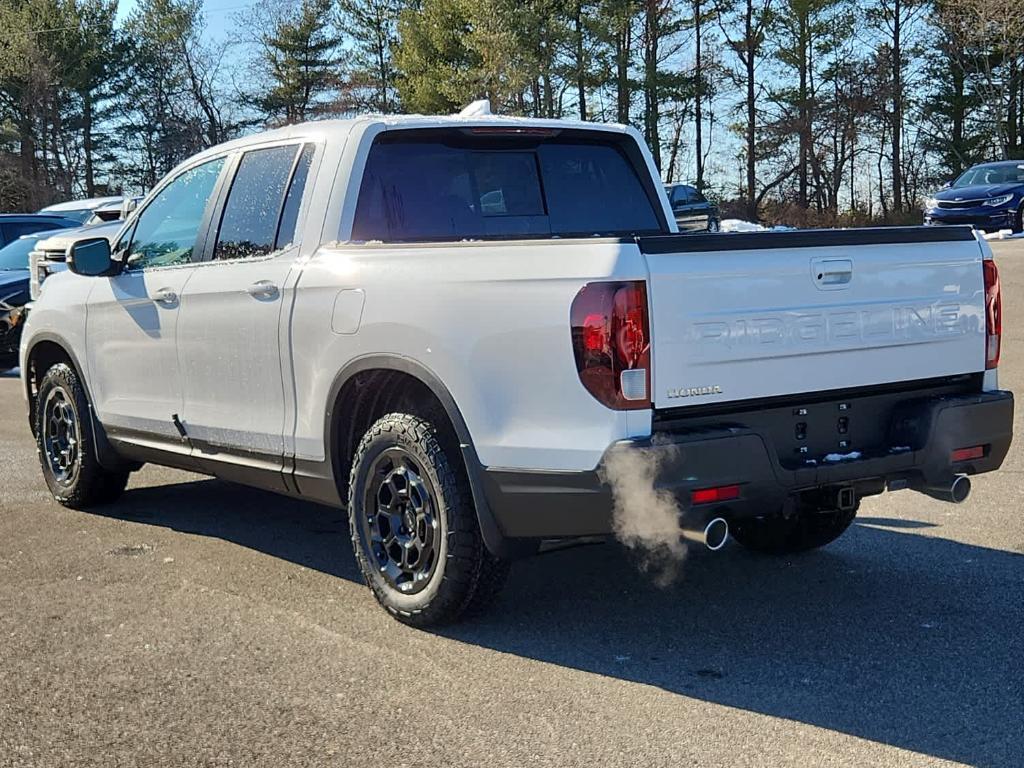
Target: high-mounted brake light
[(512, 130), (612, 343), (993, 313)]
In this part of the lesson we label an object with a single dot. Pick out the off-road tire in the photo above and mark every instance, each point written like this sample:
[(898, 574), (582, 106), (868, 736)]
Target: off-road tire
[(465, 577), (777, 535), (90, 484)]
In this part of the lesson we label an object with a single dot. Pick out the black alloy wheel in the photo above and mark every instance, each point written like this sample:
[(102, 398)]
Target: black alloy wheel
[(400, 520), (61, 436)]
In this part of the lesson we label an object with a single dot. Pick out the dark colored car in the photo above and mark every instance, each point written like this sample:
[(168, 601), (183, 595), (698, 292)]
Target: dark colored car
[(692, 210), (989, 196), (14, 292), (14, 225)]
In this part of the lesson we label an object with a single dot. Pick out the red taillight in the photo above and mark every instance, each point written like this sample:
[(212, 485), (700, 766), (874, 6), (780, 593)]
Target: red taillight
[(993, 313), (612, 343), (967, 454), (712, 495)]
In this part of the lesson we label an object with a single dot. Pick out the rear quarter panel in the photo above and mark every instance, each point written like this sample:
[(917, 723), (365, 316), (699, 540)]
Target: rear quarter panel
[(489, 320)]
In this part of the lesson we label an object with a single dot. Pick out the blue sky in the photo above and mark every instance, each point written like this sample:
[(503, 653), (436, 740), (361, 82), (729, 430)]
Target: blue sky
[(218, 13)]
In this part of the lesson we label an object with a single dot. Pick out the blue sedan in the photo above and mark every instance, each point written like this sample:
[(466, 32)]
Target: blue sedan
[(988, 196)]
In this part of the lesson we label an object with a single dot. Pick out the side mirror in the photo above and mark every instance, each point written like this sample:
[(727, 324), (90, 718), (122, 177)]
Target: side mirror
[(946, 185), (127, 206), (91, 258)]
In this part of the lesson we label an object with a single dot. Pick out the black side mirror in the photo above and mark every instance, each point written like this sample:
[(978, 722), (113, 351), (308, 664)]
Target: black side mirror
[(91, 258)]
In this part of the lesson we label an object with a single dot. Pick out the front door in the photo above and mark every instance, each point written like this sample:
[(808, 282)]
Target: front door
[(132, 318), (232, 310)]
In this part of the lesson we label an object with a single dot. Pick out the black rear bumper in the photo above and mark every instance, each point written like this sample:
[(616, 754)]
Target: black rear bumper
[(914, 441)]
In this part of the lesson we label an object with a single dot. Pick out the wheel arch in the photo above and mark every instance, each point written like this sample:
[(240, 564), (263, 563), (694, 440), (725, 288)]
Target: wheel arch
[(368, 387), (46, 350)]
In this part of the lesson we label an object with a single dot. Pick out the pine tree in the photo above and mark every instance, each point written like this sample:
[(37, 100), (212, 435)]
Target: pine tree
[(300, 54)]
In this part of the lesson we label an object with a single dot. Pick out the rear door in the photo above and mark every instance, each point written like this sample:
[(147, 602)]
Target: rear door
[(229, 341), (737, 317)]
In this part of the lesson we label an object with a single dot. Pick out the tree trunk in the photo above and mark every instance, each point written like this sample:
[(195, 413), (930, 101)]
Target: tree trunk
[(87, 145), (1012, 137), (897, 108), (803, 114), (623, 48), (957, 136), (698, 95), (751, 46), (651, 100), (581, 70)]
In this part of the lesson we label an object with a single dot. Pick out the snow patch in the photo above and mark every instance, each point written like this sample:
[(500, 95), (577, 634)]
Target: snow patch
[(1003, 234), (833, 457), (738, 225)]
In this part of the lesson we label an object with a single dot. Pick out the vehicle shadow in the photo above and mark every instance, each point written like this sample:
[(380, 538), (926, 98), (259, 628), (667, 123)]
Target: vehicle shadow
[(890, 634)]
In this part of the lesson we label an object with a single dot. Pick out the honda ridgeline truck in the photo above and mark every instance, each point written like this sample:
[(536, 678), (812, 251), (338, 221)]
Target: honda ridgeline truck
[(448, 324)]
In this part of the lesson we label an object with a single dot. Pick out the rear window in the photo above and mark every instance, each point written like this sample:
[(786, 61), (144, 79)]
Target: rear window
[(454, 188)]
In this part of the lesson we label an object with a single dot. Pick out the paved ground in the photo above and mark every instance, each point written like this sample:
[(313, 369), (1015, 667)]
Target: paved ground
[(198, 623)]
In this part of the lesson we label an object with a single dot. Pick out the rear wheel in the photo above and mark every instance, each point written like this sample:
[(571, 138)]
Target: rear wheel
[(778, 535), (414, 527), (64, 441)]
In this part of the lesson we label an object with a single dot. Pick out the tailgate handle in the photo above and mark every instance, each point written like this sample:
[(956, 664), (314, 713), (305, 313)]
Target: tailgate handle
[(831, 274)]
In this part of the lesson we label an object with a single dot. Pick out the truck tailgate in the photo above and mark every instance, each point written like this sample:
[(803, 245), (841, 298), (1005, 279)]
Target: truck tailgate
[(742, 316)]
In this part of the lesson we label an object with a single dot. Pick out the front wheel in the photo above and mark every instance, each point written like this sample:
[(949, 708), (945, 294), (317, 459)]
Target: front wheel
[(64, 442), (1018, 224), (414, 527), (778, 535)]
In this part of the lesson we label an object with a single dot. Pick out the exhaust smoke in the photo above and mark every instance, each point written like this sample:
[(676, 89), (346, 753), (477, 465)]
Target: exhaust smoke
[(646, 519)]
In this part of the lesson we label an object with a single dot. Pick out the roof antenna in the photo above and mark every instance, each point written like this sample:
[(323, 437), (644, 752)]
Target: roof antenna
[(476, 108)]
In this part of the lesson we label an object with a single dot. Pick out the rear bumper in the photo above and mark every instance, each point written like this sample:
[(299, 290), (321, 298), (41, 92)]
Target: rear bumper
[(923, 434)]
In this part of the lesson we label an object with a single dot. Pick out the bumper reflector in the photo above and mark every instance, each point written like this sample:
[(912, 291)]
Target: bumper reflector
[(712, 495), (966, 454)]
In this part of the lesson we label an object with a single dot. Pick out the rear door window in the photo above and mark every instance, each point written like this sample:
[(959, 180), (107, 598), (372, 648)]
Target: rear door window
[(252, 213), (421, 189)]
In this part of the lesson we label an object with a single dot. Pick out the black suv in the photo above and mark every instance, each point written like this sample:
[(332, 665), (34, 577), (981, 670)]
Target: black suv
[(692, 210)]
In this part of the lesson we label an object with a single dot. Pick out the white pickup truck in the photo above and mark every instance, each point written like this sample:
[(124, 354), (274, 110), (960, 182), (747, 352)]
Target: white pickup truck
[(447, 325)]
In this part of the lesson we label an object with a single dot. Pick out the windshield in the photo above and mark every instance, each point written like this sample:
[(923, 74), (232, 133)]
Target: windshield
[(991, 174), (15, 255), (80, 215)]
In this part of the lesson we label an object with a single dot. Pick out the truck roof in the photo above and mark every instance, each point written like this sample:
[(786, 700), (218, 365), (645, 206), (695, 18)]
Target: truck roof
[(340, 129)]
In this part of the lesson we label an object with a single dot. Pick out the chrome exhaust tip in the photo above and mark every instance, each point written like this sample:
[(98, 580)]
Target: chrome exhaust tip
[(716, 533), (956, 492)]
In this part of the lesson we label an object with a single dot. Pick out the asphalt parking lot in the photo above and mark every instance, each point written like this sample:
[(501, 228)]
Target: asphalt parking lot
[(200, 623)]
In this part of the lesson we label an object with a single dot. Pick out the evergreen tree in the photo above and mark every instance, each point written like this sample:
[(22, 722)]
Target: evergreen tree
[(300, 54)]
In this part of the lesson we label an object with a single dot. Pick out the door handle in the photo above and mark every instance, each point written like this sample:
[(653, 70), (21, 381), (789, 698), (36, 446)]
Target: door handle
[(165, 296), (263, 289), (831, 274)]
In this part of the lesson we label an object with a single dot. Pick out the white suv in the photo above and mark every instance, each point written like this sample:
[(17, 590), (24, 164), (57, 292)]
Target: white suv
[(448, 325)]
